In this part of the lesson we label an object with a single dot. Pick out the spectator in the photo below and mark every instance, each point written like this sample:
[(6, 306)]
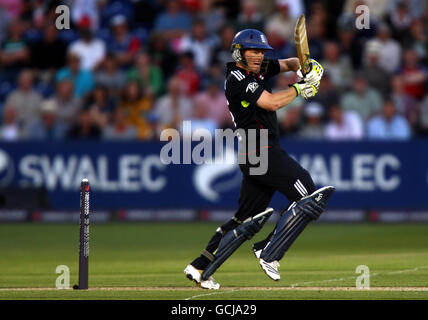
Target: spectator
[(162, 55), (84, 128), (68, 106), (200, 120), (389, 49), (213, 16), (122, 44), (290, 119), (120, 128), (424, 20), (315, 40), (282, 82), (378, 8), (415, 8), (414, 75), (350, 46), (313, 127), (111, 76), (221, 53), (318, 19), (338, 66), (5, 19), (295, 7), (282, 22), (388, 125), (377, 77), (25, 100), (364, 100), (173, 107), (250, 17), (188, 74), (46, 127), (215, 75), (32, 14), (419, 40), (49, 54), (422, 124), (148, 75), (14, 52), (85, 9), (215, 104), (173, 22), (200, 44), (343, 125), (36, 14), (83, 80), (10, 129), (404, 103), (90, 50), (138, 107), (145, 12), (328, 93), (400, 18), (101, 106), (281, 47), (13, 7), (348, 18)]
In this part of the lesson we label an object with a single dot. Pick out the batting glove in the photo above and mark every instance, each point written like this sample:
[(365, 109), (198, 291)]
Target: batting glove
[(306, 89), (314, 75)]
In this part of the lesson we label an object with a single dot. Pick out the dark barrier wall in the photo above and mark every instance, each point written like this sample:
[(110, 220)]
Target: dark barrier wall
[(375, 175)]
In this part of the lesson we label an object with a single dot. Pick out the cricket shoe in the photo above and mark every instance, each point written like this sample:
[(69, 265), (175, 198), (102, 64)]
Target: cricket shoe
[(271, 269), (257, 253), (258, 247), (194, 275)]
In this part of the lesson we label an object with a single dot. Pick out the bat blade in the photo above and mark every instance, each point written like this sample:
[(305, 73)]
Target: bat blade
[(301, 41)]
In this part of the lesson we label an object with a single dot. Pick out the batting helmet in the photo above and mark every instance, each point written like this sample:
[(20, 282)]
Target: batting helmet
[(248, 39)]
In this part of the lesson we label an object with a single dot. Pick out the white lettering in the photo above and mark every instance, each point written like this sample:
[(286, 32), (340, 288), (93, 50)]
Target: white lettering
[(363, 172), (128, 172), (152, 185), (62, 281), (368, 172), (380, 175), (28, 169), (363, 20)]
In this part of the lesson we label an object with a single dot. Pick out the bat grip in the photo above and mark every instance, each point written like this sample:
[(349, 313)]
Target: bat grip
[(305, 71)]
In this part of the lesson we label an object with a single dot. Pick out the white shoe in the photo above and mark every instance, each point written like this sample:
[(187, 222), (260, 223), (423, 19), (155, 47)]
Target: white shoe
[(194, 274), (257, 253), (271, 269), (210, 284)]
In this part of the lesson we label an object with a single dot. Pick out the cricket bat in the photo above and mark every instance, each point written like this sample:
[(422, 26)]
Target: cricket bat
[(301, 41)]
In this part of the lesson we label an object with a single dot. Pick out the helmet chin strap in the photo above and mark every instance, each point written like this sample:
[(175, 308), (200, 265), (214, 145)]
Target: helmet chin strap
[(238, 56)]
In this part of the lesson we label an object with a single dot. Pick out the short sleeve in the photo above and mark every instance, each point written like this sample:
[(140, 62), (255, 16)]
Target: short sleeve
[(273, 68), (250, 91)]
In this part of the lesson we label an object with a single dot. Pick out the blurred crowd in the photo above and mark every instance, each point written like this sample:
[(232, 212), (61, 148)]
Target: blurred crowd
[(127, 69)]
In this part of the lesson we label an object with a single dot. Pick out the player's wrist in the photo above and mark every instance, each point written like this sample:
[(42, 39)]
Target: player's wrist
[(294, 64), (296, 88)]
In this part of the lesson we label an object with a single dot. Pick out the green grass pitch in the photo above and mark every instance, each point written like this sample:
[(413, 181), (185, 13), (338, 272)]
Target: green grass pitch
[(146, 261)]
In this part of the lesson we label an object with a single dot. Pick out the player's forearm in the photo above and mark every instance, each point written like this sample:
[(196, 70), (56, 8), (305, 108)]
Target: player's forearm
[(283, 97), (290, 64), (277, 100)]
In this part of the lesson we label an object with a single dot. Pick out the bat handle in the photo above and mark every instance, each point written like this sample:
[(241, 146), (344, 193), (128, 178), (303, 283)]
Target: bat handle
[(307, 68)]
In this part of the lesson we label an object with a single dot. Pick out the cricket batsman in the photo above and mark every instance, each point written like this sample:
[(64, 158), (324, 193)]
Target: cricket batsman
[(253, 106)]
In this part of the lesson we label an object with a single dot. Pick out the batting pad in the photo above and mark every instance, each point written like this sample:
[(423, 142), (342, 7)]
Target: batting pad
[(233, 239), (294, 221)]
